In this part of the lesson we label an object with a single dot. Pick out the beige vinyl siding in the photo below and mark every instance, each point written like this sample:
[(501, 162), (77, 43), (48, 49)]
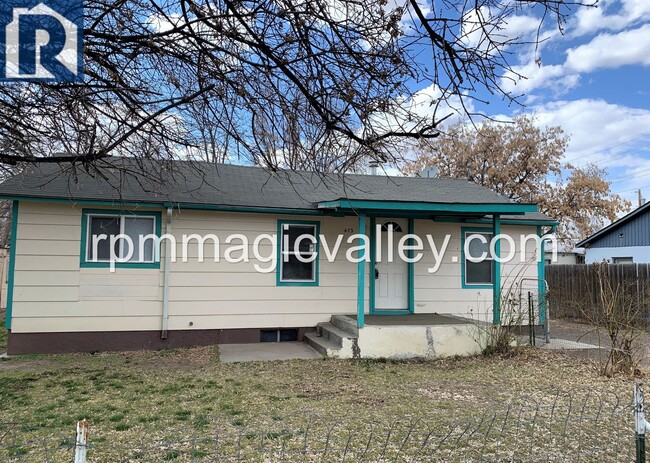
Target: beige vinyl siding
[(52, 292), (443, 292), (212, 294)]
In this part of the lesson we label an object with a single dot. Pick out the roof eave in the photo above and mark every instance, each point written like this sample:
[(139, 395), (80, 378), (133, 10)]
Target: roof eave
[(427, 207), (609, 228)]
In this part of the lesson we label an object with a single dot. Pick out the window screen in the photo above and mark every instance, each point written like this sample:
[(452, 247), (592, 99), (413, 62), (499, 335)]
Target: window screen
[(478, 273), (98, 247), (292, 268)]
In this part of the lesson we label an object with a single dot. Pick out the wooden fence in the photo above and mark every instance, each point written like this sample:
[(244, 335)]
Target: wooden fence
[(572, 288)]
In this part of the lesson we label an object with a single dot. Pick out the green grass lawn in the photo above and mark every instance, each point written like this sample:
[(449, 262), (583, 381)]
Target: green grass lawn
[(149, 396)]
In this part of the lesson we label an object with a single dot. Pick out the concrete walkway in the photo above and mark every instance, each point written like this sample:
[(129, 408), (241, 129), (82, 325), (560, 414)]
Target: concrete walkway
[(266, 351), (558, 344)]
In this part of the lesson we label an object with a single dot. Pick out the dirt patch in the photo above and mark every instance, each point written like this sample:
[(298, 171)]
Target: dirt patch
[(585, 333)]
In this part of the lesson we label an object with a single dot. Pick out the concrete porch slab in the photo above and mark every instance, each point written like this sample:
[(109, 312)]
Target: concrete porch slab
[(418, 319), (266, 351)]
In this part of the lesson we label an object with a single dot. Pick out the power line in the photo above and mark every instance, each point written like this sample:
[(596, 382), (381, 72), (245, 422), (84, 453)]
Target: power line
[(602, 150), (644, 173), (631, 189)]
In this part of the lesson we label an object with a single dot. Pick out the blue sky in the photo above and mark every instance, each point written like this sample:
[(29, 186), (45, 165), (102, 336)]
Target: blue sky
[(594, 82)]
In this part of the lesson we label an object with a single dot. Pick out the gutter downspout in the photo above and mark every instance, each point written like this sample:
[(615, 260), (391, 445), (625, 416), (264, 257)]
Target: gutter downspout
[(168, 252)]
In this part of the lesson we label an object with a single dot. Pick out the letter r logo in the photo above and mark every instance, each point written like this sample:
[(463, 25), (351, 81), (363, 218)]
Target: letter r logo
[(41, 41)]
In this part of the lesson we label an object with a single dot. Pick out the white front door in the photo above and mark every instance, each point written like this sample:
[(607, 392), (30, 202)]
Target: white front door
[(391, 280)]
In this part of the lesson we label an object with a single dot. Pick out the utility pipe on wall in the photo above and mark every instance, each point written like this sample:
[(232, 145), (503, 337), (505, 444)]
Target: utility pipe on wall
[(168, 259)]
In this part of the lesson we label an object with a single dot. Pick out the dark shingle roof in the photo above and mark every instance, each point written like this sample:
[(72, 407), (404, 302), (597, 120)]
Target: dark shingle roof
[(200, 183)]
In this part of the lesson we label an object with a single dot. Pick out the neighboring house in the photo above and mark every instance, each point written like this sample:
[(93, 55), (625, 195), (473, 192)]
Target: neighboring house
[(625, 241), (63, 297), (575, 256)]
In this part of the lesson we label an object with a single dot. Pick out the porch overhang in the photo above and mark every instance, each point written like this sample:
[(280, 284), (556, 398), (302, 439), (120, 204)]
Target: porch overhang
[(423, 209), (365, 210)]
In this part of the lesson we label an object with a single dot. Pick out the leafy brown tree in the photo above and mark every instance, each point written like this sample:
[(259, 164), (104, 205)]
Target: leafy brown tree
[(317, 84), (524, 162)]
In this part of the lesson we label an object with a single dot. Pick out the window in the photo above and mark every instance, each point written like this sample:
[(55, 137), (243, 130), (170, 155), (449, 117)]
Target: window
[(477, 274), (96, 249), (397, 228), (285, 335), (298, 253), (622, 260)]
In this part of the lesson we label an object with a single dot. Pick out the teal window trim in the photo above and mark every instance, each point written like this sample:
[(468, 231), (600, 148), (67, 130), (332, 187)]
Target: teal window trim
[(85, 213), (463, 232), (278, 269), (12, 264)]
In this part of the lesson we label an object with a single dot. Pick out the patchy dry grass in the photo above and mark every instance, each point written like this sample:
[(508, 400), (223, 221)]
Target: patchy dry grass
[(129, 397), (3, 331)]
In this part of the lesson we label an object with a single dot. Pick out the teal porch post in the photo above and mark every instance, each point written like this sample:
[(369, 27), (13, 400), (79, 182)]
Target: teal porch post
[(496, 267), (411, 270), (373, 264), (361, 274), (541, 275)]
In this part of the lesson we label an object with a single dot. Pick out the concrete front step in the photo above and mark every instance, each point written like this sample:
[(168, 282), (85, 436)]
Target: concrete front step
[(322, 345), (345, 323), (334, 334)]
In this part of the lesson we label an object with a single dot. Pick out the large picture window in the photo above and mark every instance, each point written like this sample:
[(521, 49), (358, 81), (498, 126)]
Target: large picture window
[(98, 228), (298, 253), (477, 274)]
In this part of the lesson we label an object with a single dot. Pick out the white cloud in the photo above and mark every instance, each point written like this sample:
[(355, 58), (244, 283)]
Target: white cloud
[(424, 105), (611, 51), (605, 51), (520, 26), (534, 77), (594, 125), (612, 136), (610, 15)]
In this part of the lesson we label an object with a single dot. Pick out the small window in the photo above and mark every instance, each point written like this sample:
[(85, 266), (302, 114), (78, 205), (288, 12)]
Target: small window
[(397, 228), (622, 260), (285, 335), (98, 248), (478, 273), (298, 254)]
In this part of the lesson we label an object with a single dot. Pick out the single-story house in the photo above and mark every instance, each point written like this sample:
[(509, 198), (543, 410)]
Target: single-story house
[(65, 294), (626, 240), (564, 257)]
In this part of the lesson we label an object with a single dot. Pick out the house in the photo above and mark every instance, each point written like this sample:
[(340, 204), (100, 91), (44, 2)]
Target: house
[(625, 241), (210, 276), (565, 257)]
